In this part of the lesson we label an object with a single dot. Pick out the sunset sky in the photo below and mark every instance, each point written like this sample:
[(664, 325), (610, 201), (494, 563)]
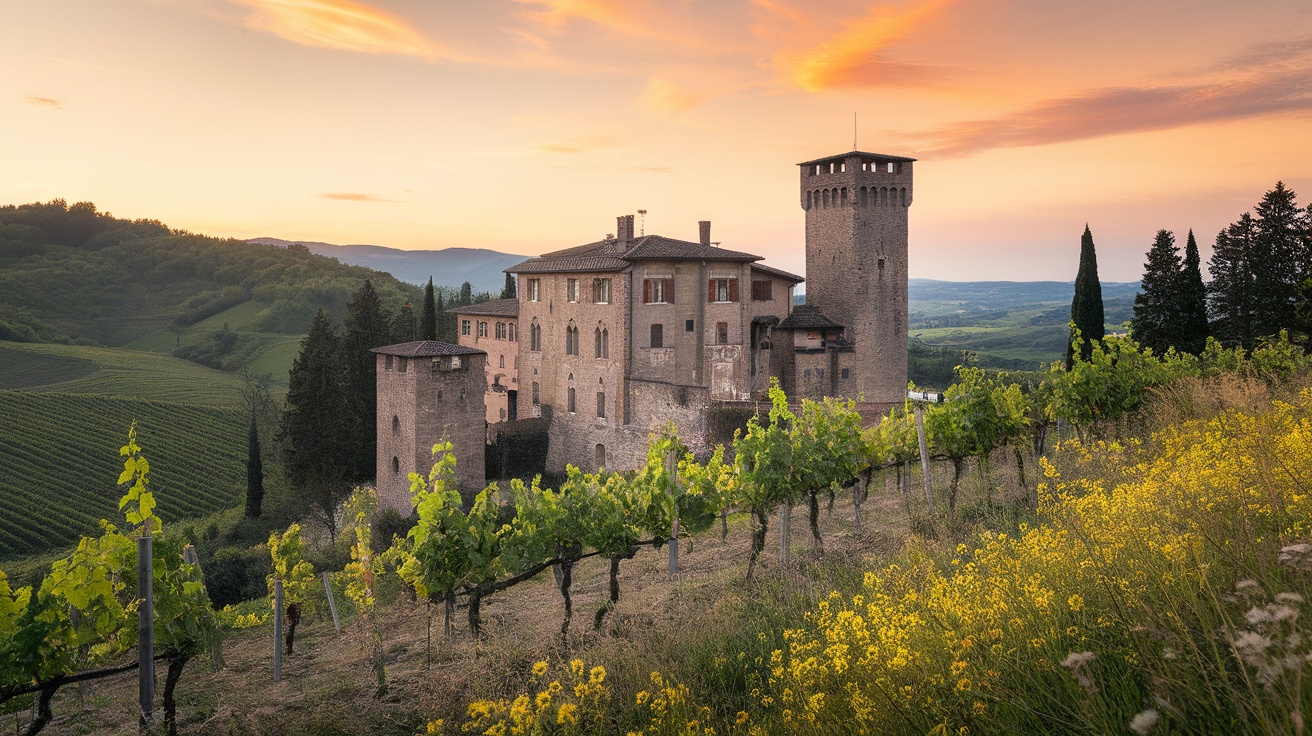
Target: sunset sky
[(528, 125)]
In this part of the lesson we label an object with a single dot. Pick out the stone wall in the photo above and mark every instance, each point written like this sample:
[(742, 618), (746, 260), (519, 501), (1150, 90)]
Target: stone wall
[(856, 264), (421, 406)]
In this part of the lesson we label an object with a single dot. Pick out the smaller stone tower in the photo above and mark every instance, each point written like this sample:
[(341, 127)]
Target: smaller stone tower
[(856, 263), (428, 391)]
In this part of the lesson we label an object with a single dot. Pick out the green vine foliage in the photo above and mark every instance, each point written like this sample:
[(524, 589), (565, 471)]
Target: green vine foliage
[(85, 609), (286, 552)]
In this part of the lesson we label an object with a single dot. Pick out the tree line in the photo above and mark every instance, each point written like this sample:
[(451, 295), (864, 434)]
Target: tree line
[(1261, 269)]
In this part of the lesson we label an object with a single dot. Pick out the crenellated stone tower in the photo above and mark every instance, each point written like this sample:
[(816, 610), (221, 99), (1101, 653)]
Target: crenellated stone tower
[(856, 263)]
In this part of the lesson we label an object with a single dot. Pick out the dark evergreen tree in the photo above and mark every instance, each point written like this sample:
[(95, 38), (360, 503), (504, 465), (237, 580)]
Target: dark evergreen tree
[(1157, 313), (403, 326), (428, 318), (508, 291), (1191, 295), (254, 471), (444, 331), (1086, 306), (365, 328), (1280, 260), (466, 295), (1230, 293), (311, 428)]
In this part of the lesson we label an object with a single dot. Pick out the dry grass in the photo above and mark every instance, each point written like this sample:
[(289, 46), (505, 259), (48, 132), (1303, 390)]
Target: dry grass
[(673, 626)]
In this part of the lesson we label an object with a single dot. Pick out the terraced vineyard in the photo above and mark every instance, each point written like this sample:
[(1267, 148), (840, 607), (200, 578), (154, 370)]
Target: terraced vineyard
[(60, 434), (59, 458), (119, 372)]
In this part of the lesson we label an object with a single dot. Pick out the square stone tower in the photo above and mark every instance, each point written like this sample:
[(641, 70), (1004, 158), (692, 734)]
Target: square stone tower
[(428, 391), (856, 262)]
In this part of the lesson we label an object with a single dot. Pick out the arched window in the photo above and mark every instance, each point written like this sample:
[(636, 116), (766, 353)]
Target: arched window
[(605, 343), (596, 339), (535, 336), (808, 200), (864, 199), (826, 196), (601, 405), (843, 195), (571, 339), (601, 456), (569, 400), (396, 465), (503, 361), (396, 425), (903, 193)]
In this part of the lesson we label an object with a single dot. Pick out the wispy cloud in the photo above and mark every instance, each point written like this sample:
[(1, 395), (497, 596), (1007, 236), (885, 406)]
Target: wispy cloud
[(1251, 87), (578, 145), (354, 197), (43, 101), (556, 13), (854, 58), (345, 25), (662, 95)]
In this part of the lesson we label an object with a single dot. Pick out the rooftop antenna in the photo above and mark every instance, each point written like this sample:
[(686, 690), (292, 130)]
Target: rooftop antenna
[(854, 131), (642, 223)]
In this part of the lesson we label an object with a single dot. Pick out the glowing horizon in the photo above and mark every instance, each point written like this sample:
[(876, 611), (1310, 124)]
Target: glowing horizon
[(526, 126)]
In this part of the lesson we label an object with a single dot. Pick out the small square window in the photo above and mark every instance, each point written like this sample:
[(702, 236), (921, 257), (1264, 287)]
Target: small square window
[(689, 325), (845, 374)]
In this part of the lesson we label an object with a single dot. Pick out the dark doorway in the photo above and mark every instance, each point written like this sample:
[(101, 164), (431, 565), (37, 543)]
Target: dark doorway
[(512, 405)]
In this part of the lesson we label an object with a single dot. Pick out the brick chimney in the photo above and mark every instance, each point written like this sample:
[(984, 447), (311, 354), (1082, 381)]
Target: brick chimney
[(705, 226), (624, 228)]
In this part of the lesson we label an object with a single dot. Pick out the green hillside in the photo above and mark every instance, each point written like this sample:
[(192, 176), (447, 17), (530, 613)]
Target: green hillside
[(71, 274), (59, 458)]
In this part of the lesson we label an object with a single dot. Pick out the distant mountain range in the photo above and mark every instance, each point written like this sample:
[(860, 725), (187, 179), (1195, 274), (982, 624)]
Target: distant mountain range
[(451, 267)]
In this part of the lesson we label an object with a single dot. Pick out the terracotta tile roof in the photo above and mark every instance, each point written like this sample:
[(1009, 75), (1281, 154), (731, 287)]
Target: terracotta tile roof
[(426, 349), (551, 264), (807, 317), (493, 308), (655, 247), (772, 271), (616, 255)]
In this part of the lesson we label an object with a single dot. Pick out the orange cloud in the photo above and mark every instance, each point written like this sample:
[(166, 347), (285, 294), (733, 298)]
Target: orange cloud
[(340, 24), (45, 101), (1260, 90), (353, 197), (556, 13), (852, 58), (661, 95)]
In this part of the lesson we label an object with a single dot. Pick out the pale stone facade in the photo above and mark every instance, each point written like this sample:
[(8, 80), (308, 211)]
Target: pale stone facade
[(493, 327), (614, 339)]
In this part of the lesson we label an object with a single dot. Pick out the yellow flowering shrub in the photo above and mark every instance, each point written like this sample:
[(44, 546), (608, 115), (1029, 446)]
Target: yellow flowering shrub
[(1086, 615), (579, 708)]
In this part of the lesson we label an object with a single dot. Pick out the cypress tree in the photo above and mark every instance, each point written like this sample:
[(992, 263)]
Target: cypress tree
[(508, 291), (1086, 306), (1230, 293), (1157, 316), (428, 318), (466, 295), (310, 429), (365, 328), (254, 472), (443, 322), (1191, 297)]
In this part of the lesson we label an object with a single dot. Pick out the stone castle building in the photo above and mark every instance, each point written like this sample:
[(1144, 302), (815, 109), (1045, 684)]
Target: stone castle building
[(615, 338)]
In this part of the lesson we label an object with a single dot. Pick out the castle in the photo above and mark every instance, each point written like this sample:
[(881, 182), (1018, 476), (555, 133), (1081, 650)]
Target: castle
[(614, 338)]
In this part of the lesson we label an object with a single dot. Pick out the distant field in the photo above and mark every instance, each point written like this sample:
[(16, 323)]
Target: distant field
[(119, 372), (267, 353), (59, 460)]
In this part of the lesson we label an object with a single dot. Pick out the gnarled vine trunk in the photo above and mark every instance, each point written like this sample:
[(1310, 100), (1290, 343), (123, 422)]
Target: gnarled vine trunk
[(293, 618), (814, 517), (758, 540), (176, 664)]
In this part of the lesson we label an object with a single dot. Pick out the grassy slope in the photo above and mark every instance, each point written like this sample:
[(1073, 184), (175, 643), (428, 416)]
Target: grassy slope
[(59, 440), (269, 353)]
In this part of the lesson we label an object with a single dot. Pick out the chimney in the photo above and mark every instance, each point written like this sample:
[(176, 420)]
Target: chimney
[(624, 228), (705, 226)]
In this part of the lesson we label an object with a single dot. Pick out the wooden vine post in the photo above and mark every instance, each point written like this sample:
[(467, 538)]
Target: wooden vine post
[(332, 604), (918, 397), (277, 630), (785, 516), (672, 467), (146, 628)]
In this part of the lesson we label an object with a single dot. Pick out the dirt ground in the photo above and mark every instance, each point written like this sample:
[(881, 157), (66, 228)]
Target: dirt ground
[(327, 685)]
